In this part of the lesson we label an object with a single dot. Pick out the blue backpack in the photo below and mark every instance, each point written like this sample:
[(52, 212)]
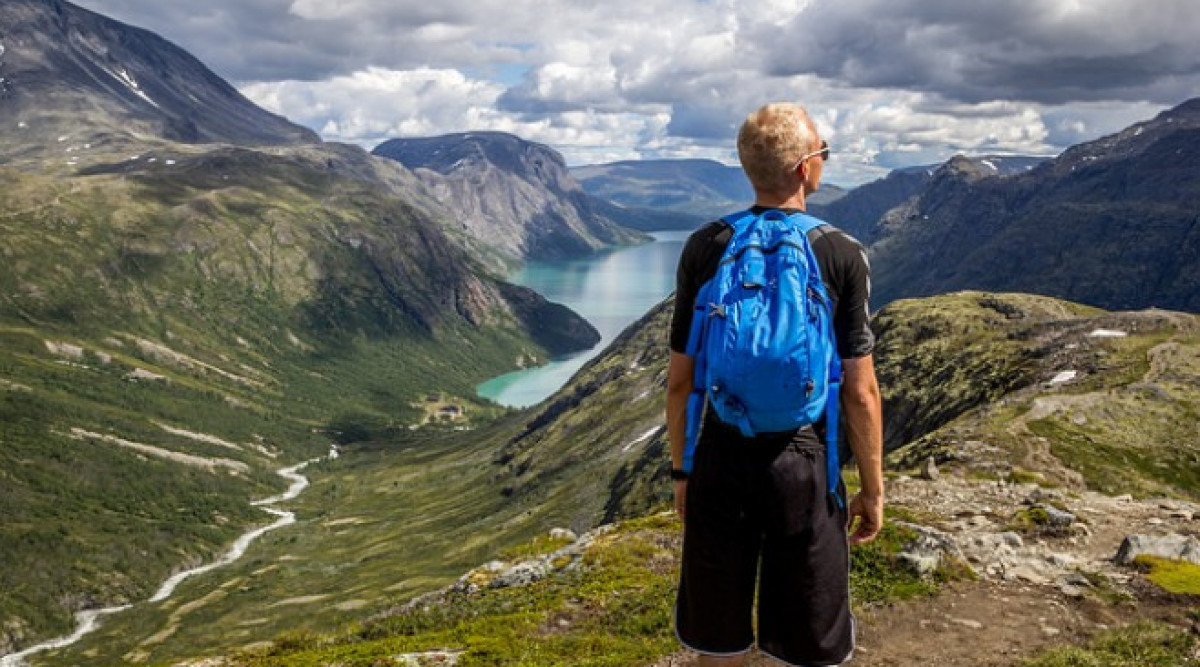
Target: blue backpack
[(762, 336)]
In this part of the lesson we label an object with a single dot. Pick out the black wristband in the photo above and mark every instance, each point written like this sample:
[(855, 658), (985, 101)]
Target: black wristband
[(678, 474)]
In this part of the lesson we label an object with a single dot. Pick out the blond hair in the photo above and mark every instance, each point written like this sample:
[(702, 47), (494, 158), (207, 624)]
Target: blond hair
[(772, 139)]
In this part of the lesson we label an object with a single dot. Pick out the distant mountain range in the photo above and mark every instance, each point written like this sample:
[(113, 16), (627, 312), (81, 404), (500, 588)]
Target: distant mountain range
[(859, 211), (1113, 223), (688, 192), (511, 195)]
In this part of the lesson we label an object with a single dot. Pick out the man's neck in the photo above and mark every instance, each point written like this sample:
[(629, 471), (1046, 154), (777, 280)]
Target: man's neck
[(793, 200)]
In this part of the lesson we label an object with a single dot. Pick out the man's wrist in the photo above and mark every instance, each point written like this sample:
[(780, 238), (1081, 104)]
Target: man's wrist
[(871, 495)]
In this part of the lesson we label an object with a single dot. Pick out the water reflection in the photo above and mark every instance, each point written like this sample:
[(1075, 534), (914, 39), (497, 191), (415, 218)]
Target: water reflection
[(611, 290)]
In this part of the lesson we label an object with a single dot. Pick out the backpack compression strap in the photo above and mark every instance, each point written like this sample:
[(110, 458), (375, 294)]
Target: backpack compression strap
[(833, 404), (695, 347)]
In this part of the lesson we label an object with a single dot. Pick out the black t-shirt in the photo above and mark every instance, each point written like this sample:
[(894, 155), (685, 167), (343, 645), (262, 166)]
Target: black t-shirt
[(844, 270)]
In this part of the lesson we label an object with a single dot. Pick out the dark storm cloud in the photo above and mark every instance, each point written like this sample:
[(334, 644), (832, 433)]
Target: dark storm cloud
[(273, 40), (1031, 50)]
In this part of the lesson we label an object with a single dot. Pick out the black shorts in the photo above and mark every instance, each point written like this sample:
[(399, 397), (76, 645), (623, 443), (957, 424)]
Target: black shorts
[(764, 500)]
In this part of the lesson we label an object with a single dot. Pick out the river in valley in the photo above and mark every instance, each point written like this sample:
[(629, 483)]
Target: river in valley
[(611, 290), (88, 620)]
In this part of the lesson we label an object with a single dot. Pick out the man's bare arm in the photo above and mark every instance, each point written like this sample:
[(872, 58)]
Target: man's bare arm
[(861, 404), (679, 388)]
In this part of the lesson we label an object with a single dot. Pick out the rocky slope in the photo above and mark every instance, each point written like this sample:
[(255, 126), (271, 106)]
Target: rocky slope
[(70, 77), (860, 210), (1029, 436), (1111, 223), (514, 196)]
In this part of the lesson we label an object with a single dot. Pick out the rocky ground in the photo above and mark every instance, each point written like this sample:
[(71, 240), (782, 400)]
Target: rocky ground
[(1036, 584)]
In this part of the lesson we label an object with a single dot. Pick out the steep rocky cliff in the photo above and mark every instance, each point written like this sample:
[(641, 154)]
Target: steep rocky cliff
[(512, 195)]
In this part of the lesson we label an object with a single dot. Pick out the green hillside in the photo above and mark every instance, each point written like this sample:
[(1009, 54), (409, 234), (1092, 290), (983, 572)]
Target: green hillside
[(244, 308)]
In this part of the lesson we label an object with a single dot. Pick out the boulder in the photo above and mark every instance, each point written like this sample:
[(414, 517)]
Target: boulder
[(929, 470), (563, 534), (1173, 547), (1057, 518)]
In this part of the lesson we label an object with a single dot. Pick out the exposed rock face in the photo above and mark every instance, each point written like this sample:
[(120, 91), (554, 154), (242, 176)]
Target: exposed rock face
[(859, 212), (1174, 546), (1111, 223), (512, 195), (72, 73)]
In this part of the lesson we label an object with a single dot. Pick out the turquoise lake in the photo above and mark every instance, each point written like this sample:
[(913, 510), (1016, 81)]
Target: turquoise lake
[(611, 290)]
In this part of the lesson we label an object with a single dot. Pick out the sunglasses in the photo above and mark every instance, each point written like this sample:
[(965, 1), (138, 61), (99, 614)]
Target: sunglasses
[(824, 153)]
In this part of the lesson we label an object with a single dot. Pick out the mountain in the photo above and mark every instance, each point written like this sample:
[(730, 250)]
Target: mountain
[(678, 194), (190, 299), (192, 296), (70, 77), (511, 195), (1111, 223), (703, 188), (859, 211)]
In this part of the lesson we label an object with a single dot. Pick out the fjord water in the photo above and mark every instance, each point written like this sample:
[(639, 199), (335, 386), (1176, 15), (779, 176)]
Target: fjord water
[(611, 290)]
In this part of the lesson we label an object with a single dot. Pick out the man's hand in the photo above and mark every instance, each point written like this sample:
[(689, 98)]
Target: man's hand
[(680, 497), (869, 512)]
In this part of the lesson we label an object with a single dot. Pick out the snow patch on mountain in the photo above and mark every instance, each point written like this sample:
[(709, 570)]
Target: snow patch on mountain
[(122, 75)]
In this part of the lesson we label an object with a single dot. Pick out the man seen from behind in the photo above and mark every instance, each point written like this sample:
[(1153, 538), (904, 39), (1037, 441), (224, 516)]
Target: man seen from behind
[(756, 513)]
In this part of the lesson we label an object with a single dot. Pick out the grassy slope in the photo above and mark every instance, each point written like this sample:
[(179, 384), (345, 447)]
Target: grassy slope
[(249, 293), (610, 606), (982, 395)]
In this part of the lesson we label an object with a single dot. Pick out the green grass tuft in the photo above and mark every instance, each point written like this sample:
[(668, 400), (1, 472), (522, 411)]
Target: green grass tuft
[(1144, 644), (1174, 576)]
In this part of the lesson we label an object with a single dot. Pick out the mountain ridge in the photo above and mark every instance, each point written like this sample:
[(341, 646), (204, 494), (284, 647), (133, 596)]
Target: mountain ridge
[(1110, 223), (71, 73)]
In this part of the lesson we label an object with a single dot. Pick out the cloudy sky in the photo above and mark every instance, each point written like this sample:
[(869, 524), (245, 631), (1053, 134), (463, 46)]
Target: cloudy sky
[(890, 82)]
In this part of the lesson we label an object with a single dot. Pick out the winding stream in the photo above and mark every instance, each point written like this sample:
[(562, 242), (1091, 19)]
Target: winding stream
[(89, 620)]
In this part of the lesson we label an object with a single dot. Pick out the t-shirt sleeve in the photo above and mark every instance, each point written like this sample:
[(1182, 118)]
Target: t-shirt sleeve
[(685, 295), (852, 321)]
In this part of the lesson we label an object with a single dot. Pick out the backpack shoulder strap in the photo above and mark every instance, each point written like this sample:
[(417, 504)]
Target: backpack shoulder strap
[(740, 218), (805, 223)]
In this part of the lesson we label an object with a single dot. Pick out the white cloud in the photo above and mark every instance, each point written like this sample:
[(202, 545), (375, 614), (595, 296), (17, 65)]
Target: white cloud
[(892, 82)]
